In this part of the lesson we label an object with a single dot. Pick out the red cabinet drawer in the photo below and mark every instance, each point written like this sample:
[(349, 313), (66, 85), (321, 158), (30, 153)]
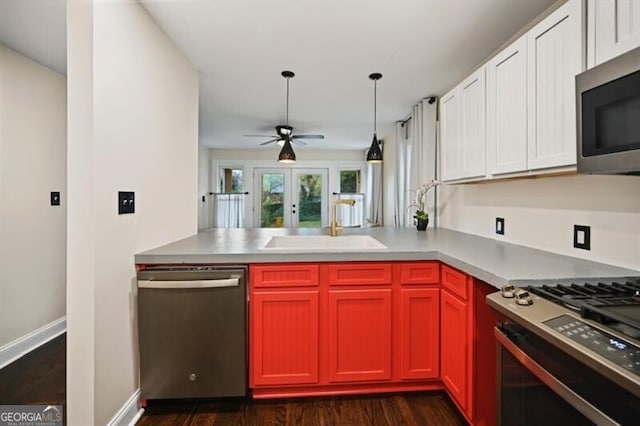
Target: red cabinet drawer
[(284, 275), (420, 273), (455, 281), (359, 273)]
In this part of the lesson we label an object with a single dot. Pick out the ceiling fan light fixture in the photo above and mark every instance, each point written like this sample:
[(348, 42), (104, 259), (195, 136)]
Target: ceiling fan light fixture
[(286, 153), (374, 155)]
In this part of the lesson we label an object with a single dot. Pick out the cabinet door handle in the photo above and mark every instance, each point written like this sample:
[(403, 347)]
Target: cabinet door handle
[(234, 281)]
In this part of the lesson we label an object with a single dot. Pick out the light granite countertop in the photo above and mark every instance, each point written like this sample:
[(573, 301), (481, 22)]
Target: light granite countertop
[(489, 260)]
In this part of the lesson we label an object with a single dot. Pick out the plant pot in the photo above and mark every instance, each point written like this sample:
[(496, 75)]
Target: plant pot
[(422, 224)]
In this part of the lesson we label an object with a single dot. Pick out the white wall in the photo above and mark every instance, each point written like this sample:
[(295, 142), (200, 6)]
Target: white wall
[(204, 177), (145, 112), (541, 213), (33, 144)]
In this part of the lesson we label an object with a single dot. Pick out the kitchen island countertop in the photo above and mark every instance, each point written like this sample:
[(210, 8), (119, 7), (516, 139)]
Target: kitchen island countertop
[(492, 261)]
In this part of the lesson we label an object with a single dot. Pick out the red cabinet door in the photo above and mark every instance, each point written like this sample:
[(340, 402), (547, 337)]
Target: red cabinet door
[(454, 344), (284, 338), (419, 333), (359, 335)]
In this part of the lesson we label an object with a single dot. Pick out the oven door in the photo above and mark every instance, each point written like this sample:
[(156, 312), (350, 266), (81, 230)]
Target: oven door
[(538, 384)]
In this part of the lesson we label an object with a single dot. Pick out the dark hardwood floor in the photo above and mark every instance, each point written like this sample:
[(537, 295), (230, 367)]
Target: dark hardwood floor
[(39, 378), (417, 408)]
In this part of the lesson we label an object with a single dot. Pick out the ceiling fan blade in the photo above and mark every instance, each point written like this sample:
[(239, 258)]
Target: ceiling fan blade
[(308, 136), (300, 143), (269, 141), (260, 136)]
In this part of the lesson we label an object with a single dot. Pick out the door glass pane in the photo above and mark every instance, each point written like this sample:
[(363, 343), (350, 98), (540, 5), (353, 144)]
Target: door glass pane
[(272, 196), (310, 199)]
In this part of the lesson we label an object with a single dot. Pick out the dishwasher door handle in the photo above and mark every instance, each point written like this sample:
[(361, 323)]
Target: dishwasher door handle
[(233, 281)]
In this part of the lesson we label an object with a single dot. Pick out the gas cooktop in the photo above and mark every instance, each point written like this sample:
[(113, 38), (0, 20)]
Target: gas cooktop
[(614, 303)]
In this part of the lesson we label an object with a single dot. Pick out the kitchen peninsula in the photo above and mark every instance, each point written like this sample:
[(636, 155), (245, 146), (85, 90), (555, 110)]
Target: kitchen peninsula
[(411, 316)]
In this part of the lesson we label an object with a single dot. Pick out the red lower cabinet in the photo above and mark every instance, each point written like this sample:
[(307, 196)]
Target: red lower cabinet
[(454, 348), (419, 333), (359, 335), (284, 338)]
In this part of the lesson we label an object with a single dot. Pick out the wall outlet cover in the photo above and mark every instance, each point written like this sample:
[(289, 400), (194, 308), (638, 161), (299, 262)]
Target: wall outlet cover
[(500, 225), (582, 237), (126, 202), (55, 198)]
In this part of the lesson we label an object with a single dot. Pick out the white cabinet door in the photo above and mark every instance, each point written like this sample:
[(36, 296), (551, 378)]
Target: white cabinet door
[(613, 28), (507, 109), (472, 125), (555, 56), (450, 135)]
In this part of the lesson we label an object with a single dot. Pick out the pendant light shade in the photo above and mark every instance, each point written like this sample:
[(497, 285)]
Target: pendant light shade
[(374, 155), (286, 154)]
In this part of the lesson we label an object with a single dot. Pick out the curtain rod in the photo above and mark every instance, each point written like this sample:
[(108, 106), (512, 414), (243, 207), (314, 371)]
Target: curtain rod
[(430, 99)]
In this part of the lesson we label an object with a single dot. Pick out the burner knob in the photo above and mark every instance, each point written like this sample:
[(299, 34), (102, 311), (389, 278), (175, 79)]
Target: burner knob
[(508, 291), (523, 298)]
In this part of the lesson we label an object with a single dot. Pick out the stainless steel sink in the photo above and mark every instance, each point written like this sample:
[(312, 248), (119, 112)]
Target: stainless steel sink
[(322, 243)]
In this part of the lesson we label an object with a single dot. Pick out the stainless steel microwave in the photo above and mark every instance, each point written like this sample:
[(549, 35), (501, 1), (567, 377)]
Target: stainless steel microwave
[(608, 112)]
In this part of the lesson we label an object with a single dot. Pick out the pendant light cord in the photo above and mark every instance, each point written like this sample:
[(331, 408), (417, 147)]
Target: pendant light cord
[(287, 108), (375, 85)]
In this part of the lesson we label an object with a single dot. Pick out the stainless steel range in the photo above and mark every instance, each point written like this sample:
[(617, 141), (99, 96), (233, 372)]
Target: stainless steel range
[(572, 347)]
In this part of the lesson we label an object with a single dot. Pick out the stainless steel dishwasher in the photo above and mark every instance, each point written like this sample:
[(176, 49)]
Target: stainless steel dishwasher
[(192, 323)]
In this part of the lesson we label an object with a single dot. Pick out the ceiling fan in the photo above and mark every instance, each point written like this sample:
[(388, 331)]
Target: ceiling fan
[(285, 132)]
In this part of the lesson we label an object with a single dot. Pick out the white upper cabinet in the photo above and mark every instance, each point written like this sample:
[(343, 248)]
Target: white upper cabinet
[(555, 56), (507, 109), (450, 135), (472, 125), (522, 119), (613, 28)]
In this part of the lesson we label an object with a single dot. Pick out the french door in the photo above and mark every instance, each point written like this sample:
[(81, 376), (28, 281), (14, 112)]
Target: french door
[(290, 197)]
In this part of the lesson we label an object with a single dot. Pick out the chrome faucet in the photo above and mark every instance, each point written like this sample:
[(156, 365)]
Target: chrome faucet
[(334, 223)]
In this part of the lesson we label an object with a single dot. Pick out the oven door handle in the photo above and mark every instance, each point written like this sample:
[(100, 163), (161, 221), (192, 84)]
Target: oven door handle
[(572, 398)]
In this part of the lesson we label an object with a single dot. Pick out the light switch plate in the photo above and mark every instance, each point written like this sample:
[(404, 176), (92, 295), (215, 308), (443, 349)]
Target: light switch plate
[(582, 237), (500, 225), (55, 198), (126, 202)]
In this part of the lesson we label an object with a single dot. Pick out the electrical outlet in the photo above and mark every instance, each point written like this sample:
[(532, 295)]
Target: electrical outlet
[(500, 225), (126, 202), (582, 237), (55, 198)]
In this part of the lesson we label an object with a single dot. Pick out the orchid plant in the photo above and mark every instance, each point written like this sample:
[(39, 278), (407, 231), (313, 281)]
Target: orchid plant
[(420, 198)]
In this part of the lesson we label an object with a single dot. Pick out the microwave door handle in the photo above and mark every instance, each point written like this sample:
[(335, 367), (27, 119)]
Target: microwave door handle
[(233, 281), (572, 398)]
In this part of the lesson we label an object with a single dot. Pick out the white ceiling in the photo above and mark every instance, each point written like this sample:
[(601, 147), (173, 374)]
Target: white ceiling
[(422, 48)]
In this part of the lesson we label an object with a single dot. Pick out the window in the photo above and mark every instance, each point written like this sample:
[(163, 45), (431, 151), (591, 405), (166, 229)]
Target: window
[(231, 179), (228, 203), (351, 189), (349, 181)]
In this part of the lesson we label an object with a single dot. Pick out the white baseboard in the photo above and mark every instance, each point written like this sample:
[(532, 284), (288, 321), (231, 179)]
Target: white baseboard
[(25, 344), (129, 413)]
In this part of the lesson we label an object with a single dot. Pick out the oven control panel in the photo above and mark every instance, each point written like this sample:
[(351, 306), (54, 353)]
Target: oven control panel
[(616, 350)]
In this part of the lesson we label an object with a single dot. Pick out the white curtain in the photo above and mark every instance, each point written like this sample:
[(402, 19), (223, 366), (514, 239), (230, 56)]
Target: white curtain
[(416, 160), (228, 210), (351, 216)]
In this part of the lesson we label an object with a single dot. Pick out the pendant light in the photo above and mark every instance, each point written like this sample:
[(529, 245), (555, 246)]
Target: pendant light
[(286, 153), (374, 155)]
